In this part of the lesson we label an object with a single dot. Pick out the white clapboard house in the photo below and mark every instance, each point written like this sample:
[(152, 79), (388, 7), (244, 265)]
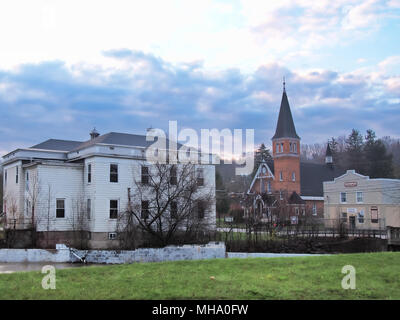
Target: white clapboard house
[(57, 175)]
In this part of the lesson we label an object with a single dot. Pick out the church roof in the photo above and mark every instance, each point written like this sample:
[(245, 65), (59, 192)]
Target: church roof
[(312, 175), (328, 151), (285, 127)]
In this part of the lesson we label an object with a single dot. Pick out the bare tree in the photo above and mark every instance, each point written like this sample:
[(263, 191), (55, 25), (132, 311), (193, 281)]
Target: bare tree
[(168, 202), (79, 223), (33, 192), (11, 218)]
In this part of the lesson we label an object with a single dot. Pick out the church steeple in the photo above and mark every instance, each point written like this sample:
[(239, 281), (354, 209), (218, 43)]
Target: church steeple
[(285, 127), (328, 156), (286, 150)]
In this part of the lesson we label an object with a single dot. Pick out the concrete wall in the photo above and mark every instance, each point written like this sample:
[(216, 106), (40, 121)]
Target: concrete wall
[(170, 253), (34, 255)]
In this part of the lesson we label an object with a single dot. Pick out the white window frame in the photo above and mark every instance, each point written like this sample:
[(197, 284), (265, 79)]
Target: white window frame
[(115, 164), (109, 211), (362, 197), (112, 236), (63, 199), (293, 176), (89, 173), (314, 209), (345, 197)]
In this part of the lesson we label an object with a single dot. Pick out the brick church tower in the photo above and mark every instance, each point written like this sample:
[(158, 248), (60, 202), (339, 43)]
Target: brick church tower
[(286, 151)]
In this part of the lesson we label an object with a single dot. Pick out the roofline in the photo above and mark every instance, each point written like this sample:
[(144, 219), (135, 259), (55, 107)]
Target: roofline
[(312, 198), (257, 172), (347, 172), (34, 149)]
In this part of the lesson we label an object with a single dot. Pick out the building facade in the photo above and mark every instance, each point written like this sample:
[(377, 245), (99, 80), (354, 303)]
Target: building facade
[(361, 202), (45, 186)]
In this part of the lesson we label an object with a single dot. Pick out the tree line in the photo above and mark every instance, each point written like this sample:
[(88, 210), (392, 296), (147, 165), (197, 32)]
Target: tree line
[(367, 154)]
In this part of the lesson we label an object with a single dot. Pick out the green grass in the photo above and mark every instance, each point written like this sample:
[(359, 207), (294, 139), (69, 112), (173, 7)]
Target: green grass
[(377, 277)]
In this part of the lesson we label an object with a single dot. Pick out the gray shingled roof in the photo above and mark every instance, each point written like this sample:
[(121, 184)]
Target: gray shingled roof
[(285, 127), (117, 138), (124, 139), (56, 144)]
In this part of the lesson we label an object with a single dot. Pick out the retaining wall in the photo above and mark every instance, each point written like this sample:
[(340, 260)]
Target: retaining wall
[(62, 254)]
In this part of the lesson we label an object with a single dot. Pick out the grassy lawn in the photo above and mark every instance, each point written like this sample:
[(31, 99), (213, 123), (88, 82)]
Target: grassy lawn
[(377, 277)]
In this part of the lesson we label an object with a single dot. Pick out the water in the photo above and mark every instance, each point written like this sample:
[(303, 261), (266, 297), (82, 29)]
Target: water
[(31, 266)]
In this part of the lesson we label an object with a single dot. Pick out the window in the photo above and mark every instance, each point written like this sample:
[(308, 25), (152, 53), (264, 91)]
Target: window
[(113, 172), (281, 147), (145, 209), (359, 196), (269, 186), (343, 197), (314, 209), (5, 176), (174, 210), (280, 176), (145, 175), (112, 235), (16, 175), (89, 173), (303, 211), (200, 209), (280, 195), (113, 209), (60, 208), (88, 208), (374, 214), (361, 216), (173, 179), (293, 176), (295, 147), (277, 148), (344, 215), (291, 147), (27, 181), (28, 205), (296, 210), (200, 177)]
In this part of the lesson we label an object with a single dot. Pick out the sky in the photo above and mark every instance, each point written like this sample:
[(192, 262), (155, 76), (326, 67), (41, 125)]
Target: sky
[(124, 66)]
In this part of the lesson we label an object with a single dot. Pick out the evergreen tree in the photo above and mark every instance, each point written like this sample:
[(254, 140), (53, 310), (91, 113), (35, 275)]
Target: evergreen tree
[(355, 152), (261, 154), (379, 163)]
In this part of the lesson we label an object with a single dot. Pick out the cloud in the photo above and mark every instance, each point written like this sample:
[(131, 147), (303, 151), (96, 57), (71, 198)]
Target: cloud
[(136, 90)]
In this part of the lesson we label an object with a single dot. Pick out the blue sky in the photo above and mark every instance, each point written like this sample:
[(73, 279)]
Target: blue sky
[(67, 66)]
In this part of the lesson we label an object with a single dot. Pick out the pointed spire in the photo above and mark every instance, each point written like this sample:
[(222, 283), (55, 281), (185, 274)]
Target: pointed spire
[(328, 156), (284, 83), (328, 151), (285, 127)]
